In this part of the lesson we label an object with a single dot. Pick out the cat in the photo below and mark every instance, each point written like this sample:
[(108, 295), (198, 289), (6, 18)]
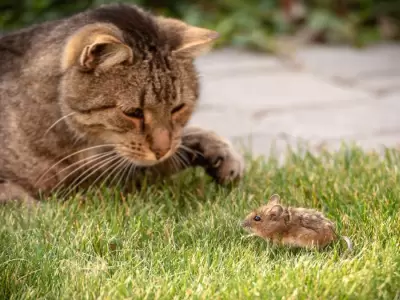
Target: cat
[(103, 96)]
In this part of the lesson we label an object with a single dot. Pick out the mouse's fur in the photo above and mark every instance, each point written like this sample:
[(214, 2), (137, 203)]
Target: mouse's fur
[(290, 226)]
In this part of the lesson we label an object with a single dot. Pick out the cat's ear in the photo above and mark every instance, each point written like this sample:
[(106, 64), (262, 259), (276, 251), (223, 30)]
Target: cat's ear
[(274, 199), (96, 46), (194, 41)]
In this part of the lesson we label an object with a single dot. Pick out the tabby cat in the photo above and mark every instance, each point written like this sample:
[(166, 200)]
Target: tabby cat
[(103, 97)]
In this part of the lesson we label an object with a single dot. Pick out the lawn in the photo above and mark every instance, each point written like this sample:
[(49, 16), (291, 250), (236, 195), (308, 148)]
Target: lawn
[(182, 239)]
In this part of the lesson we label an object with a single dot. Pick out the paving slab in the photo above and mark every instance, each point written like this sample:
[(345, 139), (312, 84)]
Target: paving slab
[(342, 95), (228, 61), (226, 123), (348, 122), (275, 90), (351, 63), (382, 83)]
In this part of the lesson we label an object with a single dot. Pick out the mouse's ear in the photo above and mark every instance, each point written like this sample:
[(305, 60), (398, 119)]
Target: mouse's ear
[(275, 212), (274, 199)]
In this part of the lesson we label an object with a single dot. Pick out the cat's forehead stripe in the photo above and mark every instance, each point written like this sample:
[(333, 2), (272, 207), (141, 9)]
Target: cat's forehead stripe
[(162, 84)]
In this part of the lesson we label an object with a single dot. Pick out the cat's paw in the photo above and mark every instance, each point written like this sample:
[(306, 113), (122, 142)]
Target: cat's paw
[(224, 163)]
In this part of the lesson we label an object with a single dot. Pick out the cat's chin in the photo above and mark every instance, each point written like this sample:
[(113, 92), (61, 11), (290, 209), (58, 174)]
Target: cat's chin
[(145, 163), (148, 161)]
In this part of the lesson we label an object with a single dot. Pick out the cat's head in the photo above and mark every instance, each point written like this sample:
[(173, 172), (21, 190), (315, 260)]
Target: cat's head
[(129, 81)]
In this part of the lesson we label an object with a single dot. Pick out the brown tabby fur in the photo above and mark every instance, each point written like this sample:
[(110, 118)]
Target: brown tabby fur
[(69, 94)]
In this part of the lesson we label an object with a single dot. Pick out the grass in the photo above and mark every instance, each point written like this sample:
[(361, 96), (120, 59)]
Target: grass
[(181, 238)]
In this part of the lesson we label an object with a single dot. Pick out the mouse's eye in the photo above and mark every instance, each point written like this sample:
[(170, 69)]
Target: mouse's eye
[(257, 218)]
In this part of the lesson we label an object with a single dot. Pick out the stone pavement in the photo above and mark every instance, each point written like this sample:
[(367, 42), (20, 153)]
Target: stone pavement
[(341, 94)]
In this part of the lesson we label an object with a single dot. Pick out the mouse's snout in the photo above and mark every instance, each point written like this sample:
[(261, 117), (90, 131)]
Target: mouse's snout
[(245, 223)]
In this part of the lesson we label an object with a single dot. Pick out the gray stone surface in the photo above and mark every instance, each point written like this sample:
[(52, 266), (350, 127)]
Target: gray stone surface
[(350, 63), (340, 95)]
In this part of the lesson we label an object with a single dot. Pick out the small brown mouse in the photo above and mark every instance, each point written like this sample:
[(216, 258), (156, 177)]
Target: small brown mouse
[(300, 227)]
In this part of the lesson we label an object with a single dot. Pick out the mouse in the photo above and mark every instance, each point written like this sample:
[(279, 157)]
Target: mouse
[(292, 226)]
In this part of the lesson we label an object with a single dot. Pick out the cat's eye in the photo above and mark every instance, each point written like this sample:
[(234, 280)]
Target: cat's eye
[(177, 108), (257, 218), (136, 113)]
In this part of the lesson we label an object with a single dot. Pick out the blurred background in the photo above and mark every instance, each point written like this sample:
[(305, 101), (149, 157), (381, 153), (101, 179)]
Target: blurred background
[(251, 23), (284, 72)]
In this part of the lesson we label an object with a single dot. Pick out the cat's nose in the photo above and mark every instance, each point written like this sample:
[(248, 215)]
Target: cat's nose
[(161, 142), (160, 153)]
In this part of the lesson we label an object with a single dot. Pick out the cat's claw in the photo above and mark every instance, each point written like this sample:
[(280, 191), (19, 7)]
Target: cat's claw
[(216, 155), (225, 165)]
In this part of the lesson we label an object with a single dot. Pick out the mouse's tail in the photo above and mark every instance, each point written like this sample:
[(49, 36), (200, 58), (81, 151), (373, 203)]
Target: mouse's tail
[(348, 242)]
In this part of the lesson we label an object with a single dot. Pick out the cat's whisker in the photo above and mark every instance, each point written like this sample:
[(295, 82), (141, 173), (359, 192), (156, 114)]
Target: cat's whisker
[(128, 176), (178, 162), (70, 155), (114, 168), (58, 121), (61, 185), (184, 165), (184, 158), (192, 151), (95, 167), (72, 189), (75, 141), (98, 168), (124, 174), (121, 169), (102, 174), (64, 179), (175, 166), (90, 159), (181, 157)]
